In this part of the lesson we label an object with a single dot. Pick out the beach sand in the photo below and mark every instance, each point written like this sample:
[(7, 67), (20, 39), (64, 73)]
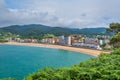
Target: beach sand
[(83, 50)]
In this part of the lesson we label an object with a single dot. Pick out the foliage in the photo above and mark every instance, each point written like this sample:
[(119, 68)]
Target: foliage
[(48, 36), (8, 78), (103, 45), (105, 67), (5, 35), (115, 40), (115, 27), (3, 40), (116, 51)]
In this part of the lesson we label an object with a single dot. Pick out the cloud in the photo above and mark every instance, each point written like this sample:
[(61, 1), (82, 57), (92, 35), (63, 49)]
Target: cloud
[(2, 3), (26, 16), (11, 16), (72, 13)]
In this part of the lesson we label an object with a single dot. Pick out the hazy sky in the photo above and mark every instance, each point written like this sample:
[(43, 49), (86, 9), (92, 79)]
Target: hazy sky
[(65, 13)]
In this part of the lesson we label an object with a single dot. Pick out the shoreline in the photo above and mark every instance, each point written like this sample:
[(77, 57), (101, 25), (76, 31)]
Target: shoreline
[(75, 49)]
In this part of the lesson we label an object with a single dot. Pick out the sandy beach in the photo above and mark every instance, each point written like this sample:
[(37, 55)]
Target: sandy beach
[(83, 50)]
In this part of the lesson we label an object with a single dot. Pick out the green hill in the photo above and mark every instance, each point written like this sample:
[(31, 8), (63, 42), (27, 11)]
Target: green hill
[(34, 29)]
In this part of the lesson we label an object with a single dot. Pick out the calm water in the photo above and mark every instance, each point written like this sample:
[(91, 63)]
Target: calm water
[(18, 61)]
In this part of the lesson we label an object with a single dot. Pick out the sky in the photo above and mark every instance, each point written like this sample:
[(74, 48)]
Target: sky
[(62, 13)]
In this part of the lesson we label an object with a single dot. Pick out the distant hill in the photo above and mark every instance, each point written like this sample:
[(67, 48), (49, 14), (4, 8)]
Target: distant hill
[(35, 30)]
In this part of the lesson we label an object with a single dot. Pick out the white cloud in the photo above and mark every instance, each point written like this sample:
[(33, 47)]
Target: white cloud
[(78, 14)]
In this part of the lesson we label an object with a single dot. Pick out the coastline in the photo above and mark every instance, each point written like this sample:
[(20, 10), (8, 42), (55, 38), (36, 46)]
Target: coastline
[(82, 50)]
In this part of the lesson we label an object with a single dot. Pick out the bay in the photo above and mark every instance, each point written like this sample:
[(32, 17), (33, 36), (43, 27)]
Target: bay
[(18, 61)]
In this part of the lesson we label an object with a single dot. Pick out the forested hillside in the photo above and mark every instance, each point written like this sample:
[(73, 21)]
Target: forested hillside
[(35, 30)]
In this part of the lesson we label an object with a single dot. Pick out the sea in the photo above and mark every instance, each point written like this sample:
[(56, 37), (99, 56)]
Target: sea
[(19, 61)]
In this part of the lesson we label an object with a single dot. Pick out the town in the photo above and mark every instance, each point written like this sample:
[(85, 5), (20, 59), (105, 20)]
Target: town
[(98, 42)]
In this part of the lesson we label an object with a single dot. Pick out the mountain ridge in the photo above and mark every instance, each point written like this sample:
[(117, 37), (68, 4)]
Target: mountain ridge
[(38, 29)]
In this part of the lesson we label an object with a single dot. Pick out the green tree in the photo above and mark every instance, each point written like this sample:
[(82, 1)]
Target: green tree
[(115, 40), (48, 36), (114, 27)]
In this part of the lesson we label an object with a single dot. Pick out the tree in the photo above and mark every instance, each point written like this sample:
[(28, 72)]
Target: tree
[(48, 36), (114, 27), (115, 40)]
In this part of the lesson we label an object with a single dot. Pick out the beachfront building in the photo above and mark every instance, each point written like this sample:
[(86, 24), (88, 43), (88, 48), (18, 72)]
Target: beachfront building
[(106, 40), (24, 40), (68, 40), (92, 43), (86, 42), (61, 40), (9, 39), (17, 39), (34, 40), (78, 44), (77, 40), (64, 40), (50, 40)]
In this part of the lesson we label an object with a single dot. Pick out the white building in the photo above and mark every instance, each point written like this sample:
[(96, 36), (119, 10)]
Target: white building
[(61, 40), (106, 41), (91, 40), (48, 40), (92, 43), (68, 40), (64, 40), (78, 44), (101, 42)]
